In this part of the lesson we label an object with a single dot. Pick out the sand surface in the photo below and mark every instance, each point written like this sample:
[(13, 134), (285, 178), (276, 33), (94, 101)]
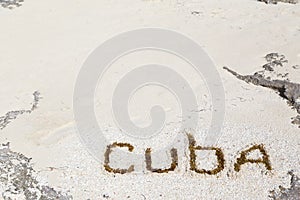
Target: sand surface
[(43, 45)]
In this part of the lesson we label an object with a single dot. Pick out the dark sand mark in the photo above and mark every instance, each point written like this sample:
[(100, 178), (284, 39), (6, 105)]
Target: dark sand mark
[(218, 152), (243, 158), (292, 193), (11, 115), (107, 153), (18, 177), (172, 167), (286, 89)]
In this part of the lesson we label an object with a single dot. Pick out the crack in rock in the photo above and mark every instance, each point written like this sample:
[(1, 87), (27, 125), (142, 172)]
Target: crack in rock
[(17, 177), (292, 193), (286, 89), (276, 1), (11, 4), (11, 115)]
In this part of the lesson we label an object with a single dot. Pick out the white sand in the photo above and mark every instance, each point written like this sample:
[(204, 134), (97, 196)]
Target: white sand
[(43, 45)]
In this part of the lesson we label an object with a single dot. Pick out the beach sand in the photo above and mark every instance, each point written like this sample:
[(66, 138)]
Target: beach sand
[(45, 43)]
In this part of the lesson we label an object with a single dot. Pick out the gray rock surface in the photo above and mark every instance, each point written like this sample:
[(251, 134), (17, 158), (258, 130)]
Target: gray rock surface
[(11, 4), (11, 115), (18, 179), (286, 89), (292, 193), (276, 1)]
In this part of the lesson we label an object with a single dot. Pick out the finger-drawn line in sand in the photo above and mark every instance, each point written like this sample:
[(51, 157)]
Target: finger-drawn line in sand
[(11, 4), (11, 115), (288, 193), (17, 177), (286, 89)]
